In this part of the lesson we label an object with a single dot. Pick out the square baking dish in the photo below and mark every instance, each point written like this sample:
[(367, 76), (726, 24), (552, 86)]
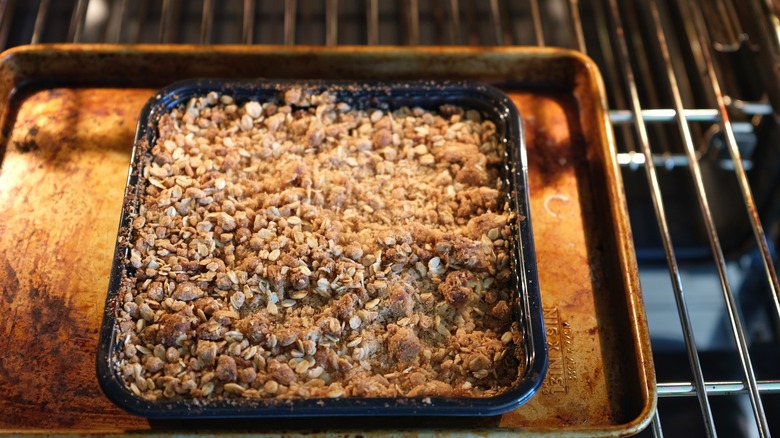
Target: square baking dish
[(527, 312)]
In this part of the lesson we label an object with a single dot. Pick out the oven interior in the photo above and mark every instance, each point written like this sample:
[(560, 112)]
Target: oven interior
[(704, 209)]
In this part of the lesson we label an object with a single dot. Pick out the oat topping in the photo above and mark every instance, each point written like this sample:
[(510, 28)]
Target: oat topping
[(303, 248)]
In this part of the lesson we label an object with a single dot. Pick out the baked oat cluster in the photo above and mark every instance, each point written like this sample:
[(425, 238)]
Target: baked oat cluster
[(302, 248)]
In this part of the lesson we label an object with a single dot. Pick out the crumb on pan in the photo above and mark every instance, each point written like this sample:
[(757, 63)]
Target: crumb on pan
[(303, 248)]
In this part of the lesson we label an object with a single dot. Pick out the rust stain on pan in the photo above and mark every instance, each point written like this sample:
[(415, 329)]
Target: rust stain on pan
[(65, 153), (62, 179), (561, 187)]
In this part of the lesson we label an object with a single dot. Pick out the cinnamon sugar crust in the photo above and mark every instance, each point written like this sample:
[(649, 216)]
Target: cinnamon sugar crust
[(304, 248)]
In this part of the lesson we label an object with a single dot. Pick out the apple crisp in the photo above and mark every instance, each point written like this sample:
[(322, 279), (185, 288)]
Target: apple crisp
[(300, 247)]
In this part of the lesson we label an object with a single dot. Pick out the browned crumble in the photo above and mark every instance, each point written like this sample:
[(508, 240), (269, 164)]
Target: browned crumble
[(306, 249)]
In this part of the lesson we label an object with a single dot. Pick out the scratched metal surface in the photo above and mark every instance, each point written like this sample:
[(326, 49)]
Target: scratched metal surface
[(65, 152)]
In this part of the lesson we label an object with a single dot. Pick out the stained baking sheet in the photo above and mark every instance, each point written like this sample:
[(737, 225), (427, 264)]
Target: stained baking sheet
[(69, 115)]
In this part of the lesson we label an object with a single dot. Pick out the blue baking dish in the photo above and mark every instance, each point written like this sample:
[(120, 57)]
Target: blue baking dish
[(527, 312)]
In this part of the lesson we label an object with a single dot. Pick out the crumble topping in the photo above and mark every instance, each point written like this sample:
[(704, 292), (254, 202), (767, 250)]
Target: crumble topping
[(303, 248)]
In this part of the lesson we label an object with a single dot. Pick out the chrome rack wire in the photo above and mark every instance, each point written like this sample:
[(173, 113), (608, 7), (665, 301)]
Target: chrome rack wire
[(660, 214), (693, 163), (670, 83)]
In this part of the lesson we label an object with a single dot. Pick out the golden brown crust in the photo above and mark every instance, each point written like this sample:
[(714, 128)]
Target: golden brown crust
[(319, 251)]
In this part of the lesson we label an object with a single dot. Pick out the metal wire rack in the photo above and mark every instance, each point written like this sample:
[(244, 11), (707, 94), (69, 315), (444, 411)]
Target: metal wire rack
[(694, 96)]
